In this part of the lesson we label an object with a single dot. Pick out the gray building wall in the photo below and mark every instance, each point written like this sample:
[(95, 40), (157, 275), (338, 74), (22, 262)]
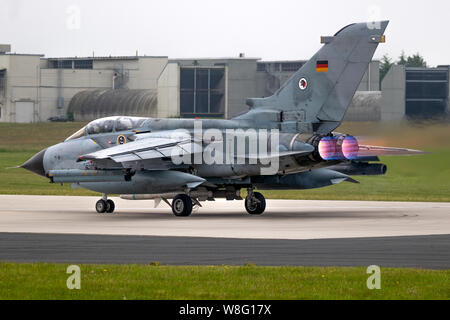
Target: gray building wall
[(371, 79), (33, 84), (271, 75), (365, 106), (249, 77), (393, 98), (32, 89), (62, 84), (168, 92), (33, 79), (20, 98)]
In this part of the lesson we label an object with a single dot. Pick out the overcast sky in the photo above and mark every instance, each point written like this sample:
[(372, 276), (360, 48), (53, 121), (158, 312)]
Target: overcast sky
[(271, 30)]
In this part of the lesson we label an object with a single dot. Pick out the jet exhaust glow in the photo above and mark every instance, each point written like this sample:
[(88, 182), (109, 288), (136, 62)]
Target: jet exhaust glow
[(350, 147), (338, 148), (327, 148)]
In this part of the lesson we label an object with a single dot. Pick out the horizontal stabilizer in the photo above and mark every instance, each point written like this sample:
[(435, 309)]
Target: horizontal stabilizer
[(373, 151), (349, 179)]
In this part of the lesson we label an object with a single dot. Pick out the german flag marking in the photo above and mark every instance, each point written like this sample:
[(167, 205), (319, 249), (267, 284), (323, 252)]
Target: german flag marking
[(322, 66)]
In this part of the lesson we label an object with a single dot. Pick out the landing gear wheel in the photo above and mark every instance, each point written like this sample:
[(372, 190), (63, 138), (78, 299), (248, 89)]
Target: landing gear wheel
[(110, 206), (182, 205), (255, 204), (101, 206)]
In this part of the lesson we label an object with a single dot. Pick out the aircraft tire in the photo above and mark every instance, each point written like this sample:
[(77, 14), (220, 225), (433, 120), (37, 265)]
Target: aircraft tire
[(101, 206), (255, 207), (110, 206), (182, 205)]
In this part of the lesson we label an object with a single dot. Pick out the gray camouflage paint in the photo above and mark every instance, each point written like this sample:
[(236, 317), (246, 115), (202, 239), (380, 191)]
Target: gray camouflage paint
[(299, 113)]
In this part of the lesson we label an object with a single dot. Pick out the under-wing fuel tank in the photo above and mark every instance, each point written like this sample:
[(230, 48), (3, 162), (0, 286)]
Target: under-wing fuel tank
[(305, 180), (145, 182)]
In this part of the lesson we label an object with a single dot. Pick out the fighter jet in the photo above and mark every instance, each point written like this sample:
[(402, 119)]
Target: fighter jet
[(285, 141)]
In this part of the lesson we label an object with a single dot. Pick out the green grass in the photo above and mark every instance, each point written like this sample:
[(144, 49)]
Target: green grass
[(35, 137), (418, 178), (413, 178), (20, 142), (48, 281)]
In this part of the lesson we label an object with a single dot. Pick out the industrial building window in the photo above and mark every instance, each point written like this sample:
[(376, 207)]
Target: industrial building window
[(2, 82), (61, 64), (83, 64), (261, 67), (423, 74), (291, 66), (202, 92), (187, 89), (426, 92)]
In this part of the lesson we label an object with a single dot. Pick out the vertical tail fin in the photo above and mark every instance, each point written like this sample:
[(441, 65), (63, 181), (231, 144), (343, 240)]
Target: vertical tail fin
[(320, 92)]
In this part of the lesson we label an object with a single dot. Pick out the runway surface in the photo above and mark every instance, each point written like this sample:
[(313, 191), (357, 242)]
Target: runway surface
[(67, 229), (430, 252), (284, 219)]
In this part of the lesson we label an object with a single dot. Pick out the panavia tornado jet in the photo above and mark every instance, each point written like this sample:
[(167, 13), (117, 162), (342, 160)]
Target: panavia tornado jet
[(285, 141)]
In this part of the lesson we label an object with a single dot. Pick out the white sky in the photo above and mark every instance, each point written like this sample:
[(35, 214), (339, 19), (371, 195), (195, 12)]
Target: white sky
[(272, 30)]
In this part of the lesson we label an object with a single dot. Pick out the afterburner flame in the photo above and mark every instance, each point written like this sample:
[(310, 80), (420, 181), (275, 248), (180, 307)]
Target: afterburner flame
[(327, 148), (350, 147), (338, 148)]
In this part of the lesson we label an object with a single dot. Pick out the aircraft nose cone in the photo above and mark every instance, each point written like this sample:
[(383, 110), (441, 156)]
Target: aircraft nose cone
[(36, 164)]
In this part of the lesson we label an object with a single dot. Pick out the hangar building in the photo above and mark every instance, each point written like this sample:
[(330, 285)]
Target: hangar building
[(34, 88)]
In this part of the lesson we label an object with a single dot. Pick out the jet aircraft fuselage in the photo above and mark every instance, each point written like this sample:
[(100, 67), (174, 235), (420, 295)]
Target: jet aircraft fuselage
[(286, 141)]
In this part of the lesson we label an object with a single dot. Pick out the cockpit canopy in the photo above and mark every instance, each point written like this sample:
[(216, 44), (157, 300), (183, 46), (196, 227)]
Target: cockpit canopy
[(111, 124)]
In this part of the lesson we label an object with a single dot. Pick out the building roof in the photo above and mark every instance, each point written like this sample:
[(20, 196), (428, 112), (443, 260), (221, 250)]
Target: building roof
[(282, 61), (107, 58), (21, 54), (213, 59)]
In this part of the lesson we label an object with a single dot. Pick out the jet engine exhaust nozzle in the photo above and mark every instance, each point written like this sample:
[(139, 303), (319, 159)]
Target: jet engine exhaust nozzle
[(338, 148)]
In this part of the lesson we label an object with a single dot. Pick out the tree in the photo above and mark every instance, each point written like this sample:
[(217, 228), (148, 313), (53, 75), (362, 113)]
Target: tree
[(402, 59), (385, 65), (416, 61)]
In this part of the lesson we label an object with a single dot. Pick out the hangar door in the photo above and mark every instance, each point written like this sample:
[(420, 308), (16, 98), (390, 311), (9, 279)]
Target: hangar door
[(24, 111), (202, 92), (426, 92)]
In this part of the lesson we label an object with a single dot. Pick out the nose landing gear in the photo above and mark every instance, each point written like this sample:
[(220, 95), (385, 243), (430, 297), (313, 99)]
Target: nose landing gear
[(105, 205)]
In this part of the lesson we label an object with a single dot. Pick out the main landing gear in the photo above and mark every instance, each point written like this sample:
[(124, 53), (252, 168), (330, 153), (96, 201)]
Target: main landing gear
[(182, 205), (255, 203), (105, 205)]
